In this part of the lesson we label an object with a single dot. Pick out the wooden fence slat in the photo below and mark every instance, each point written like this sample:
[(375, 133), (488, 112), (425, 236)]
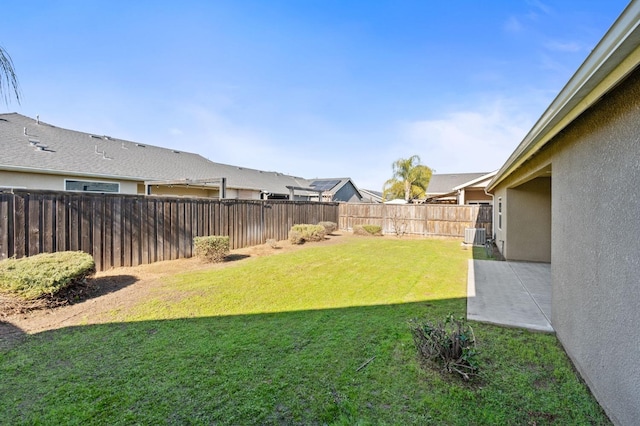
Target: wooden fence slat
[(34, 225), (126, 232), (116, 240), (135, 232), (159, 233), (97, 224), (20, 223), (6, 213), (107, 240), (174, 231)]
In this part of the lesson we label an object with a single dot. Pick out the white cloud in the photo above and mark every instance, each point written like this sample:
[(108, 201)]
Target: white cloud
[(221, 140), (513, 25), (467, 140), (560, 46), (540, 6)]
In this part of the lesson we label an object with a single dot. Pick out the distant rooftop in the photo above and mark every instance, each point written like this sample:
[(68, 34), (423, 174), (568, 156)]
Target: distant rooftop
[(444, 183)]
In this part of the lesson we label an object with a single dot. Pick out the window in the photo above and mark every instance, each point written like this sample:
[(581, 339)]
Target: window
[(91, 186), (500, 213)]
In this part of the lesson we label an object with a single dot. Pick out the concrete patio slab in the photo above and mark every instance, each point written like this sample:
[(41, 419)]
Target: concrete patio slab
[(515, 294)]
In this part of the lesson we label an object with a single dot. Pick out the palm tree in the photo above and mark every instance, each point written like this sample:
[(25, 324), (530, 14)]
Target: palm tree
[(410, 179), (8, 78)]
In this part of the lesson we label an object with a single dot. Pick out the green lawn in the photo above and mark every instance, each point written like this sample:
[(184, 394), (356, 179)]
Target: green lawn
[(278, 340)]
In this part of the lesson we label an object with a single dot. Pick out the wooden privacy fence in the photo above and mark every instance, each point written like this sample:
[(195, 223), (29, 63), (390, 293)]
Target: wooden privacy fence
[(128, 230), (420, 219)]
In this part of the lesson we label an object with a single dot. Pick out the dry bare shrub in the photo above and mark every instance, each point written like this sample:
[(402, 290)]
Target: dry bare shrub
[(450, 343), (367, 230), (272, 243), (329, 227), (295, 237), (304, 232)]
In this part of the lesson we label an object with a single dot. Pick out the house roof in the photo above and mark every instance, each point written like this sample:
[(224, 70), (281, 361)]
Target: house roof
[(446, 183), (479, 182), (371, 195), (332, 185), (610, 62), (34, 146)]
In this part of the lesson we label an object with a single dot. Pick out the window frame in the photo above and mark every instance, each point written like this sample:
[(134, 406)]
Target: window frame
[(82, 181)]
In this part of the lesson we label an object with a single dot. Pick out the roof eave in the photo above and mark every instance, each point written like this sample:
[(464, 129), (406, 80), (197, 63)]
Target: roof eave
[(26, 169), (610, 62), (475, 181)]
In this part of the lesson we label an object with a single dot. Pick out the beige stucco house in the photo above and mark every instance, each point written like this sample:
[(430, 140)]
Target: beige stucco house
[(37, 155), (569, 195)]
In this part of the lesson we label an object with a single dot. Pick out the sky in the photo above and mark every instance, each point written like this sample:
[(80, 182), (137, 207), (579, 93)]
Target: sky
[(310, 88)]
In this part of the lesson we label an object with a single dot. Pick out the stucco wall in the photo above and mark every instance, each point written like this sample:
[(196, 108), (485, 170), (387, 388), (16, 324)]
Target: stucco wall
[(182, 191), (53, 182), (475, 195), (528, 221), (596, 249)]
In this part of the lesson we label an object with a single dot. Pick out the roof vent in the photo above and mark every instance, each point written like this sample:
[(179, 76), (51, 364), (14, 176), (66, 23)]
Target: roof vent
[(176, 152), (38, 119), (95, 136), (25, 131), (140, 145)]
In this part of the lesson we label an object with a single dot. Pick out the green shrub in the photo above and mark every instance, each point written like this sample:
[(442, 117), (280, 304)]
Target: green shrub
[(45, 274), (213, 248), (298, 234), (367, 230), (450, 343), (329, 227)]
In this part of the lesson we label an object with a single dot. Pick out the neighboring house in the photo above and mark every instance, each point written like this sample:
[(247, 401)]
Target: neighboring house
[(36, 155), (370, 196), (459, 188), (569, 195), (339, 190)]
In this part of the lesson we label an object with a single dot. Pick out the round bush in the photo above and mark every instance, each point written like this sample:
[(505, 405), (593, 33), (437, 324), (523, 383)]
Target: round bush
[(367, 230), (213, 248), (329, 227), (44, 274)]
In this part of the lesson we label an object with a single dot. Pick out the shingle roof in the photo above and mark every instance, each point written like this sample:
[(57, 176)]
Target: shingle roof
[(444, 183), (30, 145)]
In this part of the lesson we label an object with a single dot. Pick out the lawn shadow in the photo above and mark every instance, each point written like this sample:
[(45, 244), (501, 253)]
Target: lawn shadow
[(108, 284), (10, 335), (234, 257), (293, 367)]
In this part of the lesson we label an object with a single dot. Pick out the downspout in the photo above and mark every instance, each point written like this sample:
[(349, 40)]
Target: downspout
[(493, 213), (493, 222)]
